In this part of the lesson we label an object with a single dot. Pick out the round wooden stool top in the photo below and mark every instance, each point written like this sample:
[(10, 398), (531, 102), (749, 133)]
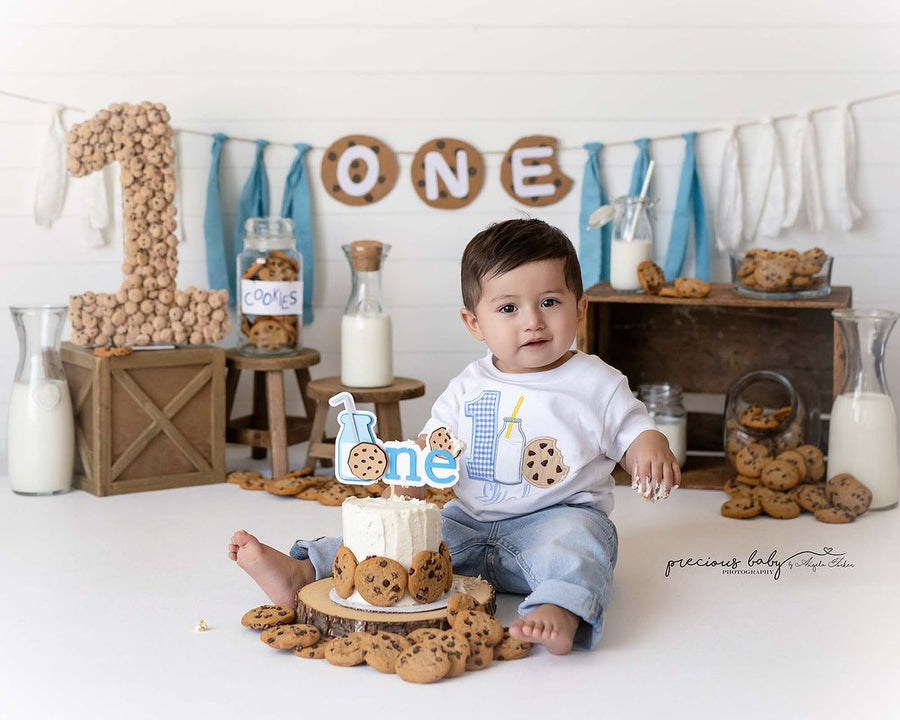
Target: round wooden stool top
[(264, 363), (403, 388)]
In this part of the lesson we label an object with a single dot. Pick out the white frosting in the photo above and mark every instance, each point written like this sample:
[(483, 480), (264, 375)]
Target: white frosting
[(396, 528)]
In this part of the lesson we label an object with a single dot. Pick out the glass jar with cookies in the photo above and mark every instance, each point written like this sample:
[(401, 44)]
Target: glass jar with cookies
[(270, 288), (773, 409)]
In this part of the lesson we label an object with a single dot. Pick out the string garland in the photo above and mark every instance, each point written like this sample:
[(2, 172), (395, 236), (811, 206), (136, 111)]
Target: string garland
[(671, 136)]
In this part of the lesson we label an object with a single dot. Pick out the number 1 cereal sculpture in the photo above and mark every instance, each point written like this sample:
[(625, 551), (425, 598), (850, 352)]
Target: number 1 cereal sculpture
[(148, 307)]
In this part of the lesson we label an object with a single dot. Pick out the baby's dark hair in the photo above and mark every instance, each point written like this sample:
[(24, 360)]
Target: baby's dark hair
[(506, 245)]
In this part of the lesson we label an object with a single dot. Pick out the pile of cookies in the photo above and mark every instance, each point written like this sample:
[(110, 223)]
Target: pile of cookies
[(766, 270), (272, 332), (785, 485), (148, 308), (472, 642), (653, 280), (303, 485), (776, 429)]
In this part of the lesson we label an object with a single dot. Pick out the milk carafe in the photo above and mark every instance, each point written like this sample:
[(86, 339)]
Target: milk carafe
[(632, 242), (40, 426), (862, 438), (366, 337)]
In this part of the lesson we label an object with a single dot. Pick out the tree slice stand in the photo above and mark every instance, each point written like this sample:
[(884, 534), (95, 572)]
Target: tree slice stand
[(316, 608)]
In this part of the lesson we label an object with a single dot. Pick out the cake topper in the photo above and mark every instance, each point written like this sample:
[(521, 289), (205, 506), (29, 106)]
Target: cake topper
[(362, 459)]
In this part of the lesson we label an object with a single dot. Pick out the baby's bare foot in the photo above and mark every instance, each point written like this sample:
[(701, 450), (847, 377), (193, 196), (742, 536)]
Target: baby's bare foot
[(552, 626), (279, 575)]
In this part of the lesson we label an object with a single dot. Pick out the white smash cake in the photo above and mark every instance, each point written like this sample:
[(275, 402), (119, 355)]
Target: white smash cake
[(392, 553)]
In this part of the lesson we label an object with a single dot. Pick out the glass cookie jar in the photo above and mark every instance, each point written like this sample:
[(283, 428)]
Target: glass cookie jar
[(270, 288), (772, 408)]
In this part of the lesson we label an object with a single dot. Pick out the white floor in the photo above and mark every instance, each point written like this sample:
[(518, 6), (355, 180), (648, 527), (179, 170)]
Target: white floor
[(100, 597)]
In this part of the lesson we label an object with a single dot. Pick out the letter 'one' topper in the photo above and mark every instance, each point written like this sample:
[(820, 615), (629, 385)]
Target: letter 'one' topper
[(363, 459)]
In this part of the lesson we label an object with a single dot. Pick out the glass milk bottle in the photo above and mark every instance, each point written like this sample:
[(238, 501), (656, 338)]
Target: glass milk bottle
[(862, 438), (632, 242), (366, 336), (510, 450), (40, 427), (665, 403)]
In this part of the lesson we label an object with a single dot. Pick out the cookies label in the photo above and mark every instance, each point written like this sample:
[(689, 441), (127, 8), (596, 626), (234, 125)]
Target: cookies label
[(362, 459), (447, 173), (530, 173), (261, 297)]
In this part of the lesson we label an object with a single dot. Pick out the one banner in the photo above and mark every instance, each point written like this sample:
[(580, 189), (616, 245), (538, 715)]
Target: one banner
[(805, 187), (219, 271), (766, 198), (50, 191), (688, 205), (295, 205), (848, 211), (594, 247), (729, 221), (641, 163)]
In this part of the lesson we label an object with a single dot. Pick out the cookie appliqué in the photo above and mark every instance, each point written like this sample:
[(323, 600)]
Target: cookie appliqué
[(367, 461), (543, 465)]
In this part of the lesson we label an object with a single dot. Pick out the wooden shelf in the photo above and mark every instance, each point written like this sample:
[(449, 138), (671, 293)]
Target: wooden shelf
[(705, 344)]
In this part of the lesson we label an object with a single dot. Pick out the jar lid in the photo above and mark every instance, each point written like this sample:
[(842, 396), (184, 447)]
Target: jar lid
[(273, 232), (365, 255)]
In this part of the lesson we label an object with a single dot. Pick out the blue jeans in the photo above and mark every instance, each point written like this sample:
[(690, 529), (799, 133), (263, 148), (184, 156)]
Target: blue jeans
[(562, 555)]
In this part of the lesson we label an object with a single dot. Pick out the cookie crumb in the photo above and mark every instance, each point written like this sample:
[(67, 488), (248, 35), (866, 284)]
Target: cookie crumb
[(201, 626)]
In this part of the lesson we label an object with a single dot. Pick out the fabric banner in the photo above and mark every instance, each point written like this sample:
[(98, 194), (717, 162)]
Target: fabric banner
[(595, 242)]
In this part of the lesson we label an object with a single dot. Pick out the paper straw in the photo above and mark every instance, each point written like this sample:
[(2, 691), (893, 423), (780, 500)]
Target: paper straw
[(634, 219), (514, 412)]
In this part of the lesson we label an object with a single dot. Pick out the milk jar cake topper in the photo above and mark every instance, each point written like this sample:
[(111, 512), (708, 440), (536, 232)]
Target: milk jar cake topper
[(362, 459)]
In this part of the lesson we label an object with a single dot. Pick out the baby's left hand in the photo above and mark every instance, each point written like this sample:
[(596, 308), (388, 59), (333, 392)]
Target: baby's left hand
[(654, 470)]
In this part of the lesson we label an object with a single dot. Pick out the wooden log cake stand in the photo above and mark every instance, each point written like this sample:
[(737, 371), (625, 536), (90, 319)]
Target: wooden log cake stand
[(269, 427), (705, 344), (316, 608), (387, 410), (149, 420)]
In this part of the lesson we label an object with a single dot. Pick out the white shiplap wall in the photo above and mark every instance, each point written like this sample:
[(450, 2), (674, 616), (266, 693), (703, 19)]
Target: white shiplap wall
[(407, 71)]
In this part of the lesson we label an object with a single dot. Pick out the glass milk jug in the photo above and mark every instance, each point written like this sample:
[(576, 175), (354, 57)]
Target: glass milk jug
[(40, 427), (862, 438), (665, 403), (366, 336), (632, 242)]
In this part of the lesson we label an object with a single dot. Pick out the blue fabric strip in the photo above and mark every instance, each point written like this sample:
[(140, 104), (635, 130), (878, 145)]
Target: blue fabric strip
[(594, 247), (295, 205), (689, 204), (219, 268), (641, 163), (254, 203)]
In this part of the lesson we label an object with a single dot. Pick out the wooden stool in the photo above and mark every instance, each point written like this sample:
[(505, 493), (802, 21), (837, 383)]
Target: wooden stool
[(387, 409), (269, 427)]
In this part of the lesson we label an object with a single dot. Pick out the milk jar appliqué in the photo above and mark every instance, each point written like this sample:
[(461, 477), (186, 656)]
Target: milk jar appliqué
[(366, 335), (862, 437), (40, 425)]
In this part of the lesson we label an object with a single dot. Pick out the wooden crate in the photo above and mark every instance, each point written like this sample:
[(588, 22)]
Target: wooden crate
[(705, 344), (151, 420)]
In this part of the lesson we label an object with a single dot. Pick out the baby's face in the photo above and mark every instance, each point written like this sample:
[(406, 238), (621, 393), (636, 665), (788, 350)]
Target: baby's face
[(528, 317)]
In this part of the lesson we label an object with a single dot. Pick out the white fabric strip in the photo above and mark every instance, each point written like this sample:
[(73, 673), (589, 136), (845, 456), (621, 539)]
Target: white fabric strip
[(804, 187), (765, 201), (50, 191), (730, 205), (96, 207), (847, 210)]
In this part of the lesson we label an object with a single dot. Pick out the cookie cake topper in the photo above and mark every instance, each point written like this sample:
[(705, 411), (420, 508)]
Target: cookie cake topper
[(362, 459)]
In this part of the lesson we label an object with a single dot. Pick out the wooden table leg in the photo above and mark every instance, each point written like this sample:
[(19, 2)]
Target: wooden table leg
[(277, 422), (260, 414), (389, 421), (317, 434), (308, 403)]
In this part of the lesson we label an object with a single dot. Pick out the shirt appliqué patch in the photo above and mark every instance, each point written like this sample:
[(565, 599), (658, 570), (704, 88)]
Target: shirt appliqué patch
[(543, 464)]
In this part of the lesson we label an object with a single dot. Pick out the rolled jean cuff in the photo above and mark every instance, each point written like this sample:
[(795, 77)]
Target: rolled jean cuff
[(319, 552), (578, 601)]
